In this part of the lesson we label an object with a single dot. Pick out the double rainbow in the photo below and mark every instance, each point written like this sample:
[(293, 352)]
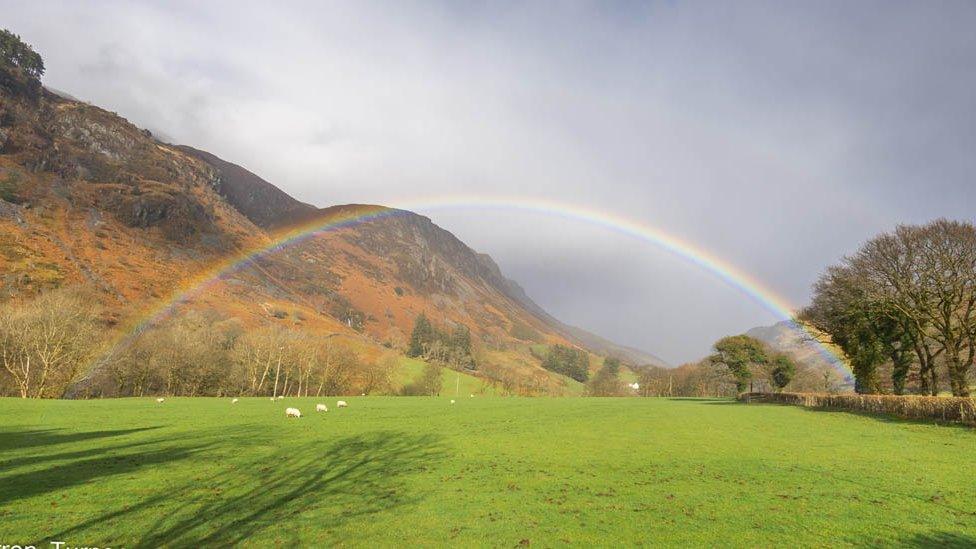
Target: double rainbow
[(348, 216)]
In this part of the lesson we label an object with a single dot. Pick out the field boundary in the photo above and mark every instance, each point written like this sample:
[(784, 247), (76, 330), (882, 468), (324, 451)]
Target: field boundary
[(932, 408)]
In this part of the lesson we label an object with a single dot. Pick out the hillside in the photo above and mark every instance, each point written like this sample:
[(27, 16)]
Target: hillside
[(86, 198), (785, 338), (269, 207)]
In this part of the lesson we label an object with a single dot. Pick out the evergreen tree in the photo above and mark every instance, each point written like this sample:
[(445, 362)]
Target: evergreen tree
[(422, 336), (15, 53)]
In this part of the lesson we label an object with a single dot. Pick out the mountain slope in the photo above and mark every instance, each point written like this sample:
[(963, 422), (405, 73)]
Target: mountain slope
[(785, 338), (86, 198), (268, 206), (264, 204)]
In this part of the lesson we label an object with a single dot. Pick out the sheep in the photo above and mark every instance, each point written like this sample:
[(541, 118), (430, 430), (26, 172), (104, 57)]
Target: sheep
[(272, 399), (452, 401), (160, 400), (341, 404), (293, 412), (234, 401), (281, 397), (321, 408)]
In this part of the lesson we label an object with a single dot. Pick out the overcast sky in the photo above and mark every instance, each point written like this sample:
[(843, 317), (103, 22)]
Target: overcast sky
[(776, 135)]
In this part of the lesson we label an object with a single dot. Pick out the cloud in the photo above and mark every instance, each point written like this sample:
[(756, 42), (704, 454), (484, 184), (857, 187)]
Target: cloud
[(778, 135)]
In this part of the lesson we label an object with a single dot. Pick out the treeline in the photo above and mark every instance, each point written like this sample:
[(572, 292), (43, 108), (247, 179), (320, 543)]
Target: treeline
[(450, 348), (199, 354), (903, 309), (48, 346), (738, 363)]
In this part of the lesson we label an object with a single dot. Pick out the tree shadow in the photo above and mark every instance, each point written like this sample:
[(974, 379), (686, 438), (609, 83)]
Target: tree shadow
[(938, 539), (703, 400), (353, 476), (35, 438), (32, 483)]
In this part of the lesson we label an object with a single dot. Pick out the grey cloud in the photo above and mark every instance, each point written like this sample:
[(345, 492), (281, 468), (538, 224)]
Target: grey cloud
[(777, 135)]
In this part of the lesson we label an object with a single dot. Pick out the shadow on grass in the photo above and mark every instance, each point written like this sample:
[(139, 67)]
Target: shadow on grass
[(85, 467), (704, 400), (21, 439), (946, 540), (327, 485)]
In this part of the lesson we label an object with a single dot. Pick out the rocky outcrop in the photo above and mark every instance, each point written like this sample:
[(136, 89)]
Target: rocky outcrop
[(126, 172), (264, 204)]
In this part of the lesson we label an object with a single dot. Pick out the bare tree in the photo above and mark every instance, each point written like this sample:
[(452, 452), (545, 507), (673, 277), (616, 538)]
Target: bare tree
[(376, 376), (927, 276), (45, 343)]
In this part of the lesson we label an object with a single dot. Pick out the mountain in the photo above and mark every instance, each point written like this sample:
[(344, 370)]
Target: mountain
[(785, 337), (88, 198), (264, 204), (269, 207)]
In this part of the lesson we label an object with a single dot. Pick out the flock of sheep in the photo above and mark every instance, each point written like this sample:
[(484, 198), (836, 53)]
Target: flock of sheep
[(293, 412)]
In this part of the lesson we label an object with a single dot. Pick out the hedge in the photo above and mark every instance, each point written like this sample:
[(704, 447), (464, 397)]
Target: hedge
[(948, 409)]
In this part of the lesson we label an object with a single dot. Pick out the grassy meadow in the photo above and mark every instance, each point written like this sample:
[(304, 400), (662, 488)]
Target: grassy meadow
[(487, 471)]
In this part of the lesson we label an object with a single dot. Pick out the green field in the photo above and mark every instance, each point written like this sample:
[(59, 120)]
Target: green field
[(485, 472)]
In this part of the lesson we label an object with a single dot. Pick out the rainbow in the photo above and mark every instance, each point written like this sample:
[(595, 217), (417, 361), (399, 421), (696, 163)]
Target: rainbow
[(352, 215)]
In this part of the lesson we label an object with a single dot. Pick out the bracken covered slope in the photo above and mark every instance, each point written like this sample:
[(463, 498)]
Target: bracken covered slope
[(88, 198)]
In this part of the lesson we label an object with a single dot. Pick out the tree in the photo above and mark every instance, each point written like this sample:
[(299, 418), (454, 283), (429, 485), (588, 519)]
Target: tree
[(258, 354), (783, 370), (573, 363), (20, 65), (429, 382), (460, 348), (738, 354), (842, 309), (376, 377), (46, 342), (927, 275), (607, 382), (422, 336), (912, 291)]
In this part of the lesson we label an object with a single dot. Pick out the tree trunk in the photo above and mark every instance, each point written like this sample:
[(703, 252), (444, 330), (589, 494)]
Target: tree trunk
[(957, 377), (274, 394)]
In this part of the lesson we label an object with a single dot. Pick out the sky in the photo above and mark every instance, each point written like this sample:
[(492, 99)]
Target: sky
[(778, 136)]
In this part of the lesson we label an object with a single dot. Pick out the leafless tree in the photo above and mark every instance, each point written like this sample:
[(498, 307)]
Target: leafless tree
[(45, 343), (927, 275)]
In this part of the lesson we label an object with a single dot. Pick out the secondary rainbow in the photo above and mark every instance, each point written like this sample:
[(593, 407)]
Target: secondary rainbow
[(726, 272)]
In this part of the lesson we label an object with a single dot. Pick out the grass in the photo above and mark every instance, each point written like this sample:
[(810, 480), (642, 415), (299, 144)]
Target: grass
[(486, 472), (410, 368)]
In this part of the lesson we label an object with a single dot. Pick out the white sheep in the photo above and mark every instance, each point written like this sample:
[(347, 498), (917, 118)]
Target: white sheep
[(281, 397), (293, 412), (341, 404), (234, 401), (160, 400), (452, 401), (321, 408)]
